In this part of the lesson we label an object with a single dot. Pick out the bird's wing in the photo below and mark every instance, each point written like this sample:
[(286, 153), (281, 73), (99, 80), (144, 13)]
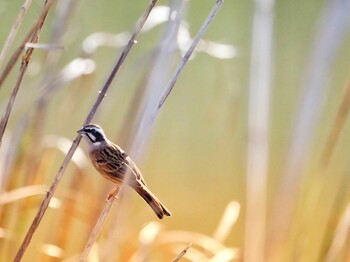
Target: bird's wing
[(113, 163), (112, 168), (135, 171)]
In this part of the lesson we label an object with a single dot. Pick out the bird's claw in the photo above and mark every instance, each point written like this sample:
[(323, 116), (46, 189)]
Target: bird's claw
[(113, 194)]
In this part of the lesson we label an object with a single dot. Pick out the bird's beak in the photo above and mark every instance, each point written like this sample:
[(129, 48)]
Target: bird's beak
[(81, 131)]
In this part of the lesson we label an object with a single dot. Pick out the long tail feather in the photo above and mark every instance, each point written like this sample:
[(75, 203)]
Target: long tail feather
[(153, 201)]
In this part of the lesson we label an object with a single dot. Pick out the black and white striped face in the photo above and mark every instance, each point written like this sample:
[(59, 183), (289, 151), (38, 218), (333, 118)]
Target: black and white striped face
[(93, 134)]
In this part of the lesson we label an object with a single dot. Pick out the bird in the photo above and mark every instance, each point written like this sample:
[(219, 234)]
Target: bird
[(113, 163)]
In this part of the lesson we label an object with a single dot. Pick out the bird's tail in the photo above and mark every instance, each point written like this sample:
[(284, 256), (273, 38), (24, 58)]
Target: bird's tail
[(153, 201)]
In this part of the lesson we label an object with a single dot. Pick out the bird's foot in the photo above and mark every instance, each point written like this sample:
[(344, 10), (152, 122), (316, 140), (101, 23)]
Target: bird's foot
[(113, 194)]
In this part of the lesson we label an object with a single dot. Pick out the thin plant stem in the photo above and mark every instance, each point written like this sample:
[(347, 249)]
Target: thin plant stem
[(147, 93), (4, 119), (188, 54), (258, 126), (148, 118), (10, 64), (76, 141), (61, 17), (24, 65), (98, 226), (46, 201), (151, 118), (182, 253), (340, 236), (14, 29), (156, 74), (331, 30), (121, 59), (336, 128), (336, 244)]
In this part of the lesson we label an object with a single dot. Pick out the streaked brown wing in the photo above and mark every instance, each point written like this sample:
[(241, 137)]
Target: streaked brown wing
[(113, 163), (135, 170)]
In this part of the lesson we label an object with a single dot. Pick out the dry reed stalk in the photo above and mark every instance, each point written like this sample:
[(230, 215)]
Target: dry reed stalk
[(70, 206), (187, 55), (105, 211), (126, 134), (317, 192), (182, 253), (341, 235), (148, 120), (331, 31), (58, 177), (98, 226), (10, 64), (336, 128), (151, 111), (46, 201), (63, 12), (24, 65), (160, 65), (147, 92), (228, 219), (5, 117), (14, 29), (332, 206), (258, 130)]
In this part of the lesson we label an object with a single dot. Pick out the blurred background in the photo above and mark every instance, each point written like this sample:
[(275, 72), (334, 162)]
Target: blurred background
[(195, 156)]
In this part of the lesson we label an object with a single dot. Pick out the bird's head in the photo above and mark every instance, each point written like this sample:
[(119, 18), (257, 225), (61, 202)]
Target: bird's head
[(94, 134)]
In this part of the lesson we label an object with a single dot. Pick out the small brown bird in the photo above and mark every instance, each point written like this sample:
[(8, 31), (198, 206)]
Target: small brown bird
[(112, 162)]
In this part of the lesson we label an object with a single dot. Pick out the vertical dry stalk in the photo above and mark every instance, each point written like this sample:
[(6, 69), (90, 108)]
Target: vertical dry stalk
[(10, 64), (70, 206), (148, 119), (333, 236), (188, 54), (258, 126), (98, 226), (24, 65), (156, 75), (5, 117), (151, 113), (337, 126), (341, 234), (93, 236), (14, 29), (76, 141), (147, 93), (61, 17), (332, 28), (46, 201)]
